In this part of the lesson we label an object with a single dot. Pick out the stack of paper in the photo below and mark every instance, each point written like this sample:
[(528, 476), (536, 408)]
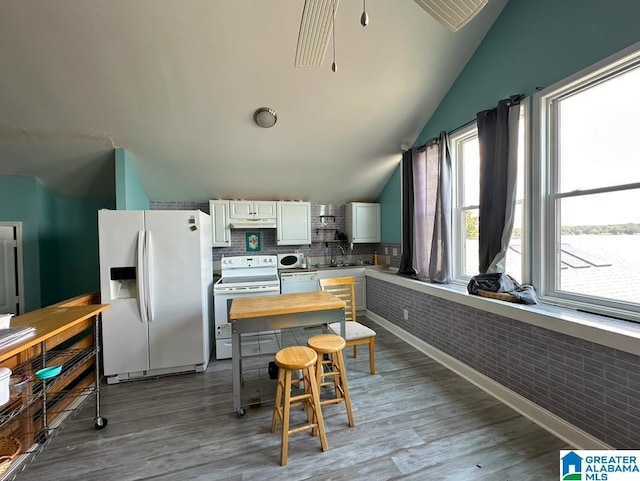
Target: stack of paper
[(12, 335), (5, 320)]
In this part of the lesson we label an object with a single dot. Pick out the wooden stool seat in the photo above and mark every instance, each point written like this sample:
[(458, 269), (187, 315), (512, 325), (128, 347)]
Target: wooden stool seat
[(295, 358), (330, 363), (326, 343), (288, 360)]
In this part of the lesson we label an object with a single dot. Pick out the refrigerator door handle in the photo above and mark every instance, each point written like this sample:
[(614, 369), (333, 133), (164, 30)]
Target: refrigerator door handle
[(149, 273), (140, 274)]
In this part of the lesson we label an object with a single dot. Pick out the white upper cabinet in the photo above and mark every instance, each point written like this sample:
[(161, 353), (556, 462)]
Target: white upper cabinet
[(252, 209), (363, 222), (220, 229), (293, 223)]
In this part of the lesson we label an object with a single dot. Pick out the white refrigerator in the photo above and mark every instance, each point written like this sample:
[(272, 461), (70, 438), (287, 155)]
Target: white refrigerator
[(156, 272)]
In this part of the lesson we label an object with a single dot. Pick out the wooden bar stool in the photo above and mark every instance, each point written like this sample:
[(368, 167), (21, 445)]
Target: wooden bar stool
[(332, 365), (291, 359)]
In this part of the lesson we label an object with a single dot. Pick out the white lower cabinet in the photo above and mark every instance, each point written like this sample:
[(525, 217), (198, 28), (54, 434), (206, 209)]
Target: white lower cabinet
[(358, 273), (361, 293)]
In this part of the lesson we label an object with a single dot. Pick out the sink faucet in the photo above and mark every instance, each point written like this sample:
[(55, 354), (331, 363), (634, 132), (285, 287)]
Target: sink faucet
[(339, 262)]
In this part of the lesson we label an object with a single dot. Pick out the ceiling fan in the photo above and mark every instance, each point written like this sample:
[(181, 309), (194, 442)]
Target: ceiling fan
[(318, 18)]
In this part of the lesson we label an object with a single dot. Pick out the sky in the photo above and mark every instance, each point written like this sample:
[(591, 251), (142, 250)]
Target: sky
[(599, 147)]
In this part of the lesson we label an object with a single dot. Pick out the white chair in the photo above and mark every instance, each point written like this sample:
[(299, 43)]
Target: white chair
[(356, 333)]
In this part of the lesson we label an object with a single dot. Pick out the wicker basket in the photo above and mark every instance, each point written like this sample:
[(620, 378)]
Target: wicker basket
[(503, 296), (9, 450)]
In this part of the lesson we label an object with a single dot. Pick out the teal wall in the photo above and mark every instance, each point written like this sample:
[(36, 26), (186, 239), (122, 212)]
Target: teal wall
[(48, 245), (390, 217), (60, 240), (18, 203), (532, 44), (130, 194), (77, 244)]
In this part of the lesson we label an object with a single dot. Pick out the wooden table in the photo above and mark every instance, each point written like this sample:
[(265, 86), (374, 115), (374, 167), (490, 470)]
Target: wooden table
[(261, 313)]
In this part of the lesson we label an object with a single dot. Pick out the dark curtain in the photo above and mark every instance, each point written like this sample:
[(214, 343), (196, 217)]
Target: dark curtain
[(498, 136), (407, 216)]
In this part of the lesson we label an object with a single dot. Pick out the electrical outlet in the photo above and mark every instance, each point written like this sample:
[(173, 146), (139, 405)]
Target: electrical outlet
[(386, 251), (395, 251), (405, 314)]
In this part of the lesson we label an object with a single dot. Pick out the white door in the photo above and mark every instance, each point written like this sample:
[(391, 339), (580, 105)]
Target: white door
[(9, 301), (124, 332), (176, 328)]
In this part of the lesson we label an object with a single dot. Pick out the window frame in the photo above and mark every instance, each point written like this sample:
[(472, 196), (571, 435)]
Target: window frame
[(545, 180), (456, 140)]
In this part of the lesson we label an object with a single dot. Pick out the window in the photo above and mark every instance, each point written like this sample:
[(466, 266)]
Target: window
[(589, 162), (466, 173)]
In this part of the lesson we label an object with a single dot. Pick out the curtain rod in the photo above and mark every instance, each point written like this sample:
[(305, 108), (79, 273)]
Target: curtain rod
[(512, 100)]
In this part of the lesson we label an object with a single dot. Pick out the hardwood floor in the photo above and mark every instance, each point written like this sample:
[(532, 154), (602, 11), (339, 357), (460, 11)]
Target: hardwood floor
[(415, 420)]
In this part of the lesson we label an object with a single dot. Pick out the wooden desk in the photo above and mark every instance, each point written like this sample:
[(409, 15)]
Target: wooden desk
[(261, 313)]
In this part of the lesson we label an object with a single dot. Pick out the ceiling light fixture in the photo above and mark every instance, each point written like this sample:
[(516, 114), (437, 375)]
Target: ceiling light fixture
[(265, 117)]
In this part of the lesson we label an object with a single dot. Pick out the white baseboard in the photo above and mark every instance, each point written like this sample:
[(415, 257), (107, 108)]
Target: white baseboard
[(557, 426)]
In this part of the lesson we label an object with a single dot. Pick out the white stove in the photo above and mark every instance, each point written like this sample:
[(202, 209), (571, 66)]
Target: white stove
[(243, 276)]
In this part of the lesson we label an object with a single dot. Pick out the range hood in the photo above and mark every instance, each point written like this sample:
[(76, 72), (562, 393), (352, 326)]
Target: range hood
[(253, 224)]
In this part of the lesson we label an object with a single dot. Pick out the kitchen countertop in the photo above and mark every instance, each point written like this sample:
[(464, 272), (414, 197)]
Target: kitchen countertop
[(298, 269), (48, 322), (384, 268), (342, 266), (326, 267)]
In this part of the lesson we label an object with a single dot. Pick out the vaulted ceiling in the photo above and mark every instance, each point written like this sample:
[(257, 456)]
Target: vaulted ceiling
[(176, 83)]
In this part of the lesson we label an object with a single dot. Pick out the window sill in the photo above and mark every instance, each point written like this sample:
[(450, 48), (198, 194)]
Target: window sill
[(618, 334)]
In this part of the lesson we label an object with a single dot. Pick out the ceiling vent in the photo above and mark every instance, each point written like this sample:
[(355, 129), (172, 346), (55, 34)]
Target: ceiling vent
[(453, 14), (315, 32)]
